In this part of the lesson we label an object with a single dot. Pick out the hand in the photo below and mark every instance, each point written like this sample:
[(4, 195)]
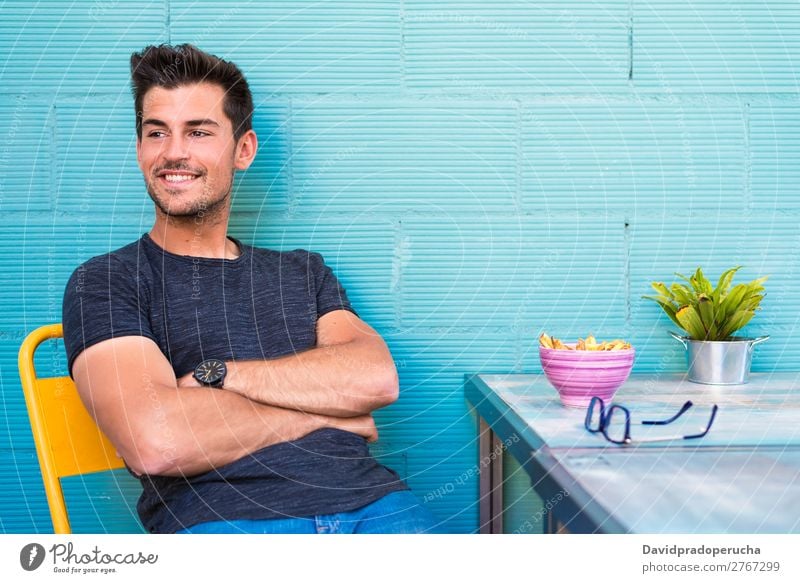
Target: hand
[(188, 380), (364, 425)]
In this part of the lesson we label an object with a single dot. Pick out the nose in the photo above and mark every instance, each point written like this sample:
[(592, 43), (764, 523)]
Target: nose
[(176, 148)]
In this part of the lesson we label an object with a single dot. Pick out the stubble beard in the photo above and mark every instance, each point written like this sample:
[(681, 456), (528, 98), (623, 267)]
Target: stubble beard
[(209, 207)]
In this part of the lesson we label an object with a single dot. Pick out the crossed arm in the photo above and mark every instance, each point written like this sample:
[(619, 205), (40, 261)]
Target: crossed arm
[(163, 426), (349, 373)]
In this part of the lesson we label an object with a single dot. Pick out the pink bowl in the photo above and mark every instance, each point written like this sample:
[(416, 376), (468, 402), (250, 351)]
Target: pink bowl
[(579, 375)]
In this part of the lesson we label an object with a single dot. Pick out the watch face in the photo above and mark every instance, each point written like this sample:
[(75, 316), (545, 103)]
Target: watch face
[(210, 372)]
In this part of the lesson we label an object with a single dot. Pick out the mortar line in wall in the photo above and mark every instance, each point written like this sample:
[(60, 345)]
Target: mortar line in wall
[(630, 41), (402, 17), (169, 21), (627, 270), (643, 94), (700, 214), (519, 162), (397, 267), (54, 168), (748, 159), (291, 203)]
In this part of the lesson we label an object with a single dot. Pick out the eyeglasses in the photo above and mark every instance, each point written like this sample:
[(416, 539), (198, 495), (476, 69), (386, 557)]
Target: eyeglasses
[(600, 419)]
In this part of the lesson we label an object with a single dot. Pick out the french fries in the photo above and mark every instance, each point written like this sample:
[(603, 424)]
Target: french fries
[(589, 343)]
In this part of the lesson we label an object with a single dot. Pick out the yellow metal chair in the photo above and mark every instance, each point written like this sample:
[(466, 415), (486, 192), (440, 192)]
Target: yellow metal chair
[(68, 441)]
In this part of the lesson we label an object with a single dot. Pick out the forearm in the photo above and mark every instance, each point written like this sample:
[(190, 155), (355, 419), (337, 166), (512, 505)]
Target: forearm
[(193, 430), (164, 426), (343, 380)]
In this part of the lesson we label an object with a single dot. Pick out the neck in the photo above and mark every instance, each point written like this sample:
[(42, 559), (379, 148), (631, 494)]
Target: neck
[(187, 236)]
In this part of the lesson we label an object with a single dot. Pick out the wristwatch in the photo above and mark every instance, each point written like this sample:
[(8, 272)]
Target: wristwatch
[(211, 372)]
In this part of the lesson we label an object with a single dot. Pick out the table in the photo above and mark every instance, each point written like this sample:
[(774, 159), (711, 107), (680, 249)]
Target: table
[(743, 477)]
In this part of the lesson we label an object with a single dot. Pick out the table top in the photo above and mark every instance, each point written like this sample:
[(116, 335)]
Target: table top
[(740, 478), (763, 412), (709, 490)]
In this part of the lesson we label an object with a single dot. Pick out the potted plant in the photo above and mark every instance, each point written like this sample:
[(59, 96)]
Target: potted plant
[(710, 316)]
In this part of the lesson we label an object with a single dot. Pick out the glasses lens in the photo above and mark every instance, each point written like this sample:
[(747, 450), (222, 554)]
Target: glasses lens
[(594, 415), (617, 423)]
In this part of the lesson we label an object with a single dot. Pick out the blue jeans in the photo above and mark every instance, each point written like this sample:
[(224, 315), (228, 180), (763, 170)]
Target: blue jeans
[(395, 513)]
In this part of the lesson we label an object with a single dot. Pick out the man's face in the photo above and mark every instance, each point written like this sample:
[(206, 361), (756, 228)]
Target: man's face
[(187, 152)]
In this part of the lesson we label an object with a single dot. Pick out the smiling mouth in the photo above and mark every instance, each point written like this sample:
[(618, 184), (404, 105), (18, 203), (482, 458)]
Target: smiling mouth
[(174, 178)]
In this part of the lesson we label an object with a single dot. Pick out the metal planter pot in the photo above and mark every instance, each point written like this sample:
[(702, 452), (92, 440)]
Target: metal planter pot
[(719, 362)]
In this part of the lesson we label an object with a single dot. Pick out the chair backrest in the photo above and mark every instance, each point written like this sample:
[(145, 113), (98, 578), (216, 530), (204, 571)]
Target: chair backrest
[(68, 441)]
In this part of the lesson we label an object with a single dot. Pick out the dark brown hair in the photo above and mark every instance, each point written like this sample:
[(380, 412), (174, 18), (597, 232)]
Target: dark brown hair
[(170, 66)]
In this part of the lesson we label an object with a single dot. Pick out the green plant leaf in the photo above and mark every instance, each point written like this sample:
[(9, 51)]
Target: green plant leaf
[(687, 290), (735, 322), (683, 295), (705, 308), (703, 285), (662, 290), (752, 299), (724, 283), (707, 313), (731, 304), (690, 321), (697, 286), (667, 306), (756, 286)]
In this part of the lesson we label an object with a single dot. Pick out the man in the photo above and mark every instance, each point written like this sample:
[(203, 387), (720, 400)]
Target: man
[(237, 383)]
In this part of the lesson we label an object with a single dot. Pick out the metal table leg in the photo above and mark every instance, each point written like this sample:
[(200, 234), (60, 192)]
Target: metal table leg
[(490, 465)]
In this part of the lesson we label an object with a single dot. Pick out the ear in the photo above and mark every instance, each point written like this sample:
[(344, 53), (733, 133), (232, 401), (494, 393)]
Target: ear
[(246, 150), (139, 151)]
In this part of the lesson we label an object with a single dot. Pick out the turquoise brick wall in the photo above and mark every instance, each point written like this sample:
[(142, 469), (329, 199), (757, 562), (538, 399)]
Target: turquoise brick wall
[(475, 172)]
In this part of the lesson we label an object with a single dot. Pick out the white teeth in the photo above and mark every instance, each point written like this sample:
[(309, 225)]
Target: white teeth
[(178, 177)]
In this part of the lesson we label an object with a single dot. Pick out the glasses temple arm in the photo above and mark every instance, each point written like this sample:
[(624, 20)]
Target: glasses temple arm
[(686, 406), (714, 410)]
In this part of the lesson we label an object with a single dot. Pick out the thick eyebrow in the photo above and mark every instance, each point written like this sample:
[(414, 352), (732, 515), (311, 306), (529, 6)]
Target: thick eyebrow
[(151, 121), (201, 122)]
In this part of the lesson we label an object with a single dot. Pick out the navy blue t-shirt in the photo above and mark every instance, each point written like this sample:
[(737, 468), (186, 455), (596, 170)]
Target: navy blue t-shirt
[(263, 304)]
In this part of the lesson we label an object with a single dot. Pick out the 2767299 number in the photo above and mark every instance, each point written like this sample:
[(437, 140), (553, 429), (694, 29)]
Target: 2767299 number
[(753, 566)]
